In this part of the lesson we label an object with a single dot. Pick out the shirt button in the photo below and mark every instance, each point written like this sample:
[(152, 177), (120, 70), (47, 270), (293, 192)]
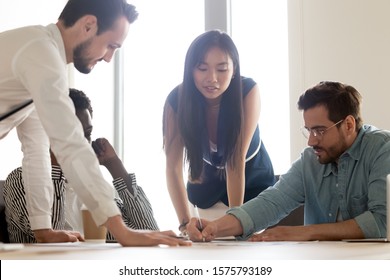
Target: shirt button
[(330, 214)]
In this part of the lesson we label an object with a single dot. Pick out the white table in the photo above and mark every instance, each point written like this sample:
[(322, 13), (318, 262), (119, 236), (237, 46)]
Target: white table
[(229, 250)]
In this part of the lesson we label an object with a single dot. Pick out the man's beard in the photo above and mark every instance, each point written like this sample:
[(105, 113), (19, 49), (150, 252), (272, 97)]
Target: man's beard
[(333, 153), (80, 60), (328, 158)]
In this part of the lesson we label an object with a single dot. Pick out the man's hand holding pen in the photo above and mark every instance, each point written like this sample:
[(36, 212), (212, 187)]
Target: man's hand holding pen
[(196, 234)]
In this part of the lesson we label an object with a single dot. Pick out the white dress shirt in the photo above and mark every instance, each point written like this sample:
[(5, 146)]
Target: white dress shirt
[(33, 65)]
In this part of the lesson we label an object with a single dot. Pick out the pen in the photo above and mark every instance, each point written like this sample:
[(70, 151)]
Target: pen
[(197, 216)]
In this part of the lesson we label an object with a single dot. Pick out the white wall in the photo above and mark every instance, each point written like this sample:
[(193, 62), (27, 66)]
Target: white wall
[(346, 41)]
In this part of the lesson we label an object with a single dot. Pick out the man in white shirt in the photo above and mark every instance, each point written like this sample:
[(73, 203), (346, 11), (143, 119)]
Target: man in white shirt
[(34, 66), (137, 212)]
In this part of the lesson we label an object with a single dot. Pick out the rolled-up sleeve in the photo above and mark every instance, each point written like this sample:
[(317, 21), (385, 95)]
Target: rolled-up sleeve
[(248, 227)]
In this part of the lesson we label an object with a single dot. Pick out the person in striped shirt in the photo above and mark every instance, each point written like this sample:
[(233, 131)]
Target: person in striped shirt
[(135, 207)]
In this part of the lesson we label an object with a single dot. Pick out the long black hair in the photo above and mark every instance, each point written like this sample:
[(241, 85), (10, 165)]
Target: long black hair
[(191, 110)]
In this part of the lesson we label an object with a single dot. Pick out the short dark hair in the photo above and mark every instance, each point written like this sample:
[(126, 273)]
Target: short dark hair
[(341, 100), (106, 12), (80, 100)]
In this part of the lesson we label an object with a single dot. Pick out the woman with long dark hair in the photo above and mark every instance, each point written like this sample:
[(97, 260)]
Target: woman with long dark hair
[(213, 117)]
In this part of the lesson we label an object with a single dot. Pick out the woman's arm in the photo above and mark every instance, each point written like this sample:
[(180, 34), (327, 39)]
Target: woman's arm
[(235, 171), (174, 147)]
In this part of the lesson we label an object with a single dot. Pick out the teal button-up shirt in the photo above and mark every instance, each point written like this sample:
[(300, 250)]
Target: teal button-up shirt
[(353, 189)]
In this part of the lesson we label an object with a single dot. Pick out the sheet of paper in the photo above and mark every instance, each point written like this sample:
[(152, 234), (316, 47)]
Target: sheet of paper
[(10, 246)]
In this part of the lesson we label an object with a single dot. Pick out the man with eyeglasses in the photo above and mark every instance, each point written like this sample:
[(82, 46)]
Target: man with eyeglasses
[(340, 179)]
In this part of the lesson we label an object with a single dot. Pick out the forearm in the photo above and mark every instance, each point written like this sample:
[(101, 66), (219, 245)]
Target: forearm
[(178, 194), (334, 231), (118, 170), (228, 225), (117, 228), (128, 237), (235, 182), (324, 232), (174, 148)]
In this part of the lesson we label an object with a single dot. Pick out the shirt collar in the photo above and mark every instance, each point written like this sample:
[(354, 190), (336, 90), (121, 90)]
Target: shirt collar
[(56, 35), (355, 150)]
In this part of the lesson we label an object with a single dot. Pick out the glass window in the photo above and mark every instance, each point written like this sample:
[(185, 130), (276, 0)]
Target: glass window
[(154, 54), (259, 29)]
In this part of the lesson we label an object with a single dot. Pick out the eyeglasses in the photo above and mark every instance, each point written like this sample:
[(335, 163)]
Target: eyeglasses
[(317, 132)]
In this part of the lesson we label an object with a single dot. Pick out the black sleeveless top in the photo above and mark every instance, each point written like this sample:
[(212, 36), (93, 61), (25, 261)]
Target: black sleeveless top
[(258, 170)]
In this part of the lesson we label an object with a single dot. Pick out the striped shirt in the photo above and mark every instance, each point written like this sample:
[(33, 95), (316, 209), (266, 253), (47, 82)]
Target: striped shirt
[(137, 212)]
